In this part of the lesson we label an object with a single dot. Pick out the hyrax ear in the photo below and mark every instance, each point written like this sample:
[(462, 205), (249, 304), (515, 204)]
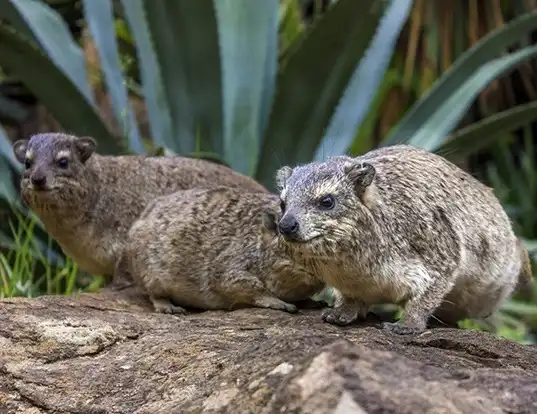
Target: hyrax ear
[(85, 147), (19, 149), (361, 174), (270, 221), (282, 175)]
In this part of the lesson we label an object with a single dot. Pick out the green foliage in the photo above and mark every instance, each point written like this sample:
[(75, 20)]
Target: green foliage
[(19, 267)]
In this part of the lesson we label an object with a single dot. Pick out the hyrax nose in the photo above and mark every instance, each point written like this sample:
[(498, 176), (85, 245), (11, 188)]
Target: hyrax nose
[(39, 180), (288, 225)]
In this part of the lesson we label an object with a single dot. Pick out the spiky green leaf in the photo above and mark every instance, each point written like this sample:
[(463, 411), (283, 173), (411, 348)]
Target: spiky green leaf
[(358, 95), (153, 88), (185, 39), (479, 135), (57, 93), (53, 36), (489, 47), (433, 131), (100, 19), (317, 69), (248, 33), (8, 162)]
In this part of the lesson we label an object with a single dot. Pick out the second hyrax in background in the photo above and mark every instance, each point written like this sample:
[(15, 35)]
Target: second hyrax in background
[(87, 202), (401, 225), (215, 249)]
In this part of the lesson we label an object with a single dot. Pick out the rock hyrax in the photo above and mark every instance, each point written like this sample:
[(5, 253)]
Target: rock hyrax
[(87, 202), (215, 248), (401, 225)]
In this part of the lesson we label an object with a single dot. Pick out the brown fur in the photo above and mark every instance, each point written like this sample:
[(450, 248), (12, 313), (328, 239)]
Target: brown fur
[(407, 227), (215, 249), (90, 205), (525, 279)]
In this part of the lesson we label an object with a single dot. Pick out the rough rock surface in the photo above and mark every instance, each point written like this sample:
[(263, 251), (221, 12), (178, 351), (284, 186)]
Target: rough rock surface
[(108, 353)]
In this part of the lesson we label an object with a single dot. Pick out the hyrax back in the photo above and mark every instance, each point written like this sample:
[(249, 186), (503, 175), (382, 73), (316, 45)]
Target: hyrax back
[(401, 225), (87, 202), (215, 249)]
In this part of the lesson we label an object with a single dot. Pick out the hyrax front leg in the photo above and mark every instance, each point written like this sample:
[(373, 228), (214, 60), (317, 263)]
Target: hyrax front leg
[(345, 310), (418, 309), (243, 287), (163, 305), (122, 278)]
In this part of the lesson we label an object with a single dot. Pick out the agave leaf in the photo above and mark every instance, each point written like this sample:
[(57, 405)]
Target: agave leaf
[(7, 191), (185, 39), (518, 307), (54, 38), (6, 151), (363, 141), (317, 70), (160, 121), (54, 89), (12, 110), (291, 24), (248, 33), (361, 90), (100, 19), (473, 138), (433, 131), (488, 48)]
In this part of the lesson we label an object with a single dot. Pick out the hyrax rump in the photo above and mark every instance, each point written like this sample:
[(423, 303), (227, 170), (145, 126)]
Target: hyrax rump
[(215, 248), (87, 202), (401, 225)]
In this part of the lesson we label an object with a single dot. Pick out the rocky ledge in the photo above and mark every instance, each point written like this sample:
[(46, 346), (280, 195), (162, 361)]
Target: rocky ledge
[(108, 353)]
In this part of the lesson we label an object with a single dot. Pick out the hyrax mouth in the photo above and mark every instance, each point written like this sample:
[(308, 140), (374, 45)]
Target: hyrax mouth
[(300, 240)]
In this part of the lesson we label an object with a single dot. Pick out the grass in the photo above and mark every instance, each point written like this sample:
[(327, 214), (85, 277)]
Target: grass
[(26, 271)]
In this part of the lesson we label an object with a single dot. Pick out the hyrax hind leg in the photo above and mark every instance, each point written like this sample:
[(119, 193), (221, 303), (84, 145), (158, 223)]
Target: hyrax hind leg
[(419, 308), (244, 288)]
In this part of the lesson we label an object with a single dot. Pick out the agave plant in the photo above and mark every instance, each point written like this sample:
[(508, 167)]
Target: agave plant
[(214, 79)]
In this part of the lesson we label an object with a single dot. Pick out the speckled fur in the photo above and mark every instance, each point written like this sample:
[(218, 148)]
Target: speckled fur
[(91, 205), (408, 227), (215, 249)]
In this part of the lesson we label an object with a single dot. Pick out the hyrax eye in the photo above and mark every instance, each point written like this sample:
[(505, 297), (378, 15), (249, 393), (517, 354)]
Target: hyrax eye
[(63, 163), (27, 163), (327, 202)]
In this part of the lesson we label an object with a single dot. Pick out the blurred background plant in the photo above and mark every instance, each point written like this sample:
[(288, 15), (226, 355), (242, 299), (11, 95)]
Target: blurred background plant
[(262, 83)]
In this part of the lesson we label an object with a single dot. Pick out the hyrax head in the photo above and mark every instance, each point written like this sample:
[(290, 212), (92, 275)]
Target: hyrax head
[(324, 200), (53, 164)]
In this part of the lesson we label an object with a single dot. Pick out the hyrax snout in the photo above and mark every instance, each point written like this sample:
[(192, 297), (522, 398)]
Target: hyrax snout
[(405, 226), (215, 249)]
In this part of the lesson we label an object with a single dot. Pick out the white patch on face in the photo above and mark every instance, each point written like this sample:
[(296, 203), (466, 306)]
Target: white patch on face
[(63, 154), (325, 187), (30, 155)]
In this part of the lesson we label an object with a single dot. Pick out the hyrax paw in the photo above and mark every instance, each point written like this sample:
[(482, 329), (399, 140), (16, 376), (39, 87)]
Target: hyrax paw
[(338, 317), (286, 307), (276, 304), (399, 328), (169, 309)]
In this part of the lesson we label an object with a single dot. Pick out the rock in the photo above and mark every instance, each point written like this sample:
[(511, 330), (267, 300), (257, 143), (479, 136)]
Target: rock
[(109, 353)]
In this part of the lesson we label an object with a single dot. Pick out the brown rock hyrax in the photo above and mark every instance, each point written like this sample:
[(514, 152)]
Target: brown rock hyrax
[(215, 248), (87, 202), (401, 225)]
